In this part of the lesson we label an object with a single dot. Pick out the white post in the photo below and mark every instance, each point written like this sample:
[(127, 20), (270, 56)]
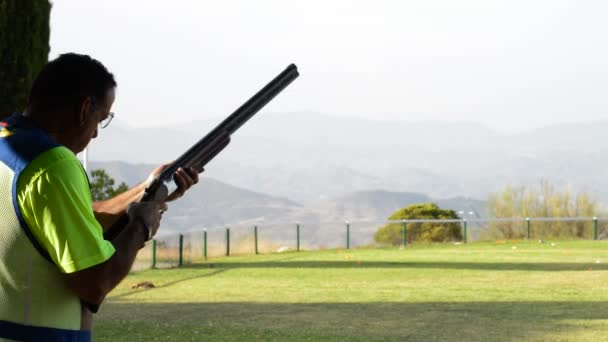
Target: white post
[(85, 160)]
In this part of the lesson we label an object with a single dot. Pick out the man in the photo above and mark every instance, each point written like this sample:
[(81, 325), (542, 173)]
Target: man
[(54, 261)]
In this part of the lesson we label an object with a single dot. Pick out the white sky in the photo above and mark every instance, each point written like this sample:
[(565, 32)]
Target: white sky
[(509, 64)]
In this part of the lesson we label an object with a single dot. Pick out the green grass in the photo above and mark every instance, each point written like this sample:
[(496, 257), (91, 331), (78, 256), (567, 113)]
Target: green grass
[(474, 292)]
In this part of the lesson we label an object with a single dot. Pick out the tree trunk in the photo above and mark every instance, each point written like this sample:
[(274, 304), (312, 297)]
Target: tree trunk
[(24, 49)]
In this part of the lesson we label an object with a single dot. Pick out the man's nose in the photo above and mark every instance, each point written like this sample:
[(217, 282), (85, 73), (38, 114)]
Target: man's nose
[(95, 133)]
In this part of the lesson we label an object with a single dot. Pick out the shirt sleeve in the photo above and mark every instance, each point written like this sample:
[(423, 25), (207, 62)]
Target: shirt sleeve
[(56, 204)]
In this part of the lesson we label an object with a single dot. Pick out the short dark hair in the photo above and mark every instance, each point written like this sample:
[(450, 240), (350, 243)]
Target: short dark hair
[(66, 81)]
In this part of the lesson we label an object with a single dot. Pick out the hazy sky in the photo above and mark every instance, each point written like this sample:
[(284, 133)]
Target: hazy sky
[(509, 64)]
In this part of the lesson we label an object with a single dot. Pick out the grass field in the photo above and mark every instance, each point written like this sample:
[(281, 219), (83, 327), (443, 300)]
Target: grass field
[(499, 291)]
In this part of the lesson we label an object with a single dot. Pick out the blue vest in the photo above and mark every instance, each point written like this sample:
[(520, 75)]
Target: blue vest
[(35, 301)]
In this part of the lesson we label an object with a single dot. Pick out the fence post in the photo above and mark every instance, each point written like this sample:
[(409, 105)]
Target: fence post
[(347, 235), (153, 253), (594, 228), (404, 237), (527, 228), (255, 238), (205, 243), (298, 237), (181, 249), (227, 241), (464, 226)]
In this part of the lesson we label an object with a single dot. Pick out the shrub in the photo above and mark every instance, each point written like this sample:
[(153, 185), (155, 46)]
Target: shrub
[(392, 233)]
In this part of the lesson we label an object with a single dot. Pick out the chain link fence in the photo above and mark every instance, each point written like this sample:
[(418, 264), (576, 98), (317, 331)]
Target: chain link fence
[(173, 250)]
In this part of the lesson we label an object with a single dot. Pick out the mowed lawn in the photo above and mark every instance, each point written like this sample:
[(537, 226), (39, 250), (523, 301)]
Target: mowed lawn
[(487, 291)]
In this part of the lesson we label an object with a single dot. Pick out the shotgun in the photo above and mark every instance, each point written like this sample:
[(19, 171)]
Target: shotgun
[(201, 153), (210, 145)]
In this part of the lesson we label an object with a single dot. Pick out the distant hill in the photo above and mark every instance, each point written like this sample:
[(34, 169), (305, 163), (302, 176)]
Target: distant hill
[(129, 173), (376, 205), (208, 204), (309, 157), (216, 204), (465, 207)]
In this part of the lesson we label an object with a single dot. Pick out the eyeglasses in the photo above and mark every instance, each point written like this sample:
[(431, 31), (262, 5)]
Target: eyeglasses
[(105, 122)]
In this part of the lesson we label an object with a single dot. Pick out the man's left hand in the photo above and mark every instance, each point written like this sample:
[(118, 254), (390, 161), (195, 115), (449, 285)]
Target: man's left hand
[(184, 179)]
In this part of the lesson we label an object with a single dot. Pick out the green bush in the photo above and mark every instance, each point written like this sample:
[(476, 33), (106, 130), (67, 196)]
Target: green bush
[(392, 234)]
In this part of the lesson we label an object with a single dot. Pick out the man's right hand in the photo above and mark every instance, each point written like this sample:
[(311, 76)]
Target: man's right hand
[(150, 212), (94, 283)]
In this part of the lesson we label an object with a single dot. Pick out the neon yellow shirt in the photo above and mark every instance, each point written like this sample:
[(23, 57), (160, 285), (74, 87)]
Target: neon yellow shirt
[(55, 201)]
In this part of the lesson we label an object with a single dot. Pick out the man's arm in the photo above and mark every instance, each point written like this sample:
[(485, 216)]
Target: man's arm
[(108, 211), (56, 205), (94, 283)]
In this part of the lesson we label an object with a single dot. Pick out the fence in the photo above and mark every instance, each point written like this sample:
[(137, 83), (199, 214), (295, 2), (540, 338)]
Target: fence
[(171, 250)]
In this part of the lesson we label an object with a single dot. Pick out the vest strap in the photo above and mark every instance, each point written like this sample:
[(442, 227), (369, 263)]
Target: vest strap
[(20, 332)]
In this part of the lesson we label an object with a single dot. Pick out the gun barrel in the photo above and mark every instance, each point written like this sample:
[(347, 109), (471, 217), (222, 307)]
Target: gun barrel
[(211, 144), (202, 160), (260, 99), (235, 120)]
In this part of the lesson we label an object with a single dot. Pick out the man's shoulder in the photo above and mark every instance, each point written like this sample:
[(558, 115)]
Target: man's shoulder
[(57, 161), (53, 155)]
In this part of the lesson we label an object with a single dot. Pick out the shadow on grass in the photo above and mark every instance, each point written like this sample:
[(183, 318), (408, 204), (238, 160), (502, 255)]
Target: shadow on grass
[(171, 283), (427, 321), (482, 266)]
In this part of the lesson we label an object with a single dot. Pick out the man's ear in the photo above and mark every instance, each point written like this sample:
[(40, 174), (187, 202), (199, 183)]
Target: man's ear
[(84, 111)]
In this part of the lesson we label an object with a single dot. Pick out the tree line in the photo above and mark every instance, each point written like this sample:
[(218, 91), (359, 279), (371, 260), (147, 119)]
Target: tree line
[(543, 200)]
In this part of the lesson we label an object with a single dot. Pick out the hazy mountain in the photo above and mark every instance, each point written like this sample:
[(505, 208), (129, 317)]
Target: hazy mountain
[(366, 205), (310, 157), (208, 204), (465, 207), (216, 204)]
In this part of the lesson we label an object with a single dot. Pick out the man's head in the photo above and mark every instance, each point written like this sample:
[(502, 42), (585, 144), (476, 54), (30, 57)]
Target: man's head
[(70, 97)]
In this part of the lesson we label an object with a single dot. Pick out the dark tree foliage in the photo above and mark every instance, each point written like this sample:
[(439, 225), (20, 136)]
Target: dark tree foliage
[(392, 234), (102, 186), (24, 49)]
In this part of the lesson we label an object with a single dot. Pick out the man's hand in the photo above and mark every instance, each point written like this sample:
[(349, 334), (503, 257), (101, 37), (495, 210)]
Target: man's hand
[(184, 179), (150, 212), (94, 283)]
